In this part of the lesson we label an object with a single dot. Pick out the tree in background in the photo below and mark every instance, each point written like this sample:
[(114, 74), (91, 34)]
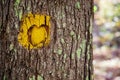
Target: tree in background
[(69, 54)]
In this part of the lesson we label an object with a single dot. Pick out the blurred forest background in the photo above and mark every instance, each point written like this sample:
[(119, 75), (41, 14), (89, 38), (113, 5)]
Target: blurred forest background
[(106, 39)]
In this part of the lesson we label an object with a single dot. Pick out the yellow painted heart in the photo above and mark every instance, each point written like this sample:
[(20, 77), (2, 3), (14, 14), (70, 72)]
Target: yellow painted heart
[(34, 31)]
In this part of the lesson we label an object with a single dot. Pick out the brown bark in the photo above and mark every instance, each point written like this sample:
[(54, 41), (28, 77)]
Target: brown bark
[(69, 55)]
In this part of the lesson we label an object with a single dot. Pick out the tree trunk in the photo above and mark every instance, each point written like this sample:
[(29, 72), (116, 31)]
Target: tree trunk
[(69, 54)]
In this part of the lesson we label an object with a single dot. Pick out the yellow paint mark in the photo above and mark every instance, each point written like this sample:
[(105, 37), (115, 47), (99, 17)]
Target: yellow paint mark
[(34, 31)]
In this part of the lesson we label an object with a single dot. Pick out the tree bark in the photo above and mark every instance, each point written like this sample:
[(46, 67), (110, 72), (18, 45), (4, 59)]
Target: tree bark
[(68, 56)]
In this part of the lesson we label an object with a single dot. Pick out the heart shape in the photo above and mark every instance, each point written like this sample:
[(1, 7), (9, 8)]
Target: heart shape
[(37, 35)]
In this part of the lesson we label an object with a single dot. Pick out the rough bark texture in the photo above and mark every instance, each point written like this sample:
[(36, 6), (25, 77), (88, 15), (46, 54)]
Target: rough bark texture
[(69, 55)]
